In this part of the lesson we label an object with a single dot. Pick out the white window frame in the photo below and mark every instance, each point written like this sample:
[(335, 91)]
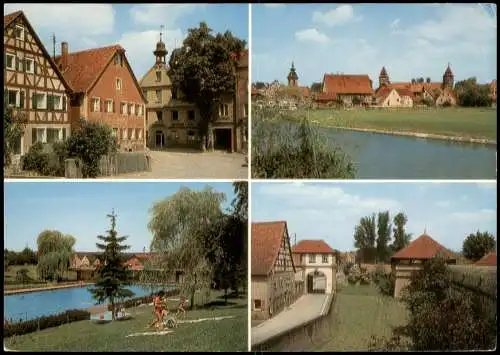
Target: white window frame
[(122, 105), (118, 83), (324, 256), (109, 105), (26, 60), (312, 258), (44, 106), (124, 133), (140, 133), (115, 132), (22, 32), (59, 134), (18, 97), (132, 109), (223, 110), (44, 135), (133, 135), (94, 100), (13, 56), (60, 106)]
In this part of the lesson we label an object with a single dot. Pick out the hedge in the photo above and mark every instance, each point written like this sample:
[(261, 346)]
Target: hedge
[(30, 326)]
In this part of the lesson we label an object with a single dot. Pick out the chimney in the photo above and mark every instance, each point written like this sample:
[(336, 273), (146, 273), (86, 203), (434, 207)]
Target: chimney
[(64, 54)]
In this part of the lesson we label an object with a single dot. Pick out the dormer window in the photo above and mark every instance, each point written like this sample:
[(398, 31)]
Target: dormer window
[(118, 59), (158, 76), (19, 32)]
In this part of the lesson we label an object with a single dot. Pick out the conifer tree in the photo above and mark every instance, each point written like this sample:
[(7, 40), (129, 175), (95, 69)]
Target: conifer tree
[(113, 276)]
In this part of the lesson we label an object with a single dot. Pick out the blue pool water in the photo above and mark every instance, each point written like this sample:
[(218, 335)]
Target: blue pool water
[(36, 304)]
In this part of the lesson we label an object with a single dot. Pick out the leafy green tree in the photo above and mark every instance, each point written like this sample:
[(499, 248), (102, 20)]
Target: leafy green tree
[(113, 275), (203, 70), (89, 143), (478, 244), (365, 234), (54, 254), (13, 129), (401, 238), (22, 276), (240, 203), (471, 94), (383, 236), (179, 225)]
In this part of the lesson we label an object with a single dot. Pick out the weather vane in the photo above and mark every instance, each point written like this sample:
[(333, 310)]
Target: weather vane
[(161, 31)]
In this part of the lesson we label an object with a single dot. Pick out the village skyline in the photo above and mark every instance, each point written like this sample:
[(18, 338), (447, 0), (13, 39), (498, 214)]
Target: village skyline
[(136, 27), (80, 209), (361, 39), (447, 212)]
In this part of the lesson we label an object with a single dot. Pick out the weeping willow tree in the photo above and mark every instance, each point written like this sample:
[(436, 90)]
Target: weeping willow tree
[(179, 224), (54, 254)]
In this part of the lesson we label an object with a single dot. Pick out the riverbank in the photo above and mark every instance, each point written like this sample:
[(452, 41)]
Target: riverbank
[(46, 288), (475, 125), (420, 135)]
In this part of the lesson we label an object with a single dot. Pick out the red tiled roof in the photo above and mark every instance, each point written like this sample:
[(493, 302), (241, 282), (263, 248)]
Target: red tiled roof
[(383, 92), (7, 19), (405, 92), (347, 84), (85, 67), (424, 247), (266, 242), (312, 246), (489, 259)]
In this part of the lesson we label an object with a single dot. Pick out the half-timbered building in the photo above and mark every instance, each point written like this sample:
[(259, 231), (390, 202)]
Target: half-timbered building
[(33, 85), (274, 283), (105, 90)]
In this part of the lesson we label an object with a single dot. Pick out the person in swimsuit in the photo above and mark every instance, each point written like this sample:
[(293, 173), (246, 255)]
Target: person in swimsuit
[(157, 312), (182, 307)]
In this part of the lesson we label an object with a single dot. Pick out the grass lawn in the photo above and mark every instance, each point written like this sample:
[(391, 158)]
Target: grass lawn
[(359, 313), (455, 122), (222, 335)]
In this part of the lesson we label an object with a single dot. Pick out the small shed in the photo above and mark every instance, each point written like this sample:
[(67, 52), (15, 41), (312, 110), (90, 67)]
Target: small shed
[(410, 259)]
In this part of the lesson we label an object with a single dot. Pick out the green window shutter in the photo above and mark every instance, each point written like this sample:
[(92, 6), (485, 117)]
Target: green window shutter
[(21, 99), (34, 66), (33, 101), (64, 103)]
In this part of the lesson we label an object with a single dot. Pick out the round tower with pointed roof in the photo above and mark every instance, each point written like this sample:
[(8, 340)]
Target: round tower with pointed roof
[(448, 78), (161, 51), (293, 77), (383, 78)]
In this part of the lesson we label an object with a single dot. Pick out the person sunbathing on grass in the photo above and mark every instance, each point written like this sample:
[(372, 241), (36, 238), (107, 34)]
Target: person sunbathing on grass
[(181, 309)]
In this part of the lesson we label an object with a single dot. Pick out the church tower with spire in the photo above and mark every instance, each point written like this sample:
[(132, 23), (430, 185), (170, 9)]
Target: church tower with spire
[(293, 77), (383, 78), (448, 78), (161, 51)]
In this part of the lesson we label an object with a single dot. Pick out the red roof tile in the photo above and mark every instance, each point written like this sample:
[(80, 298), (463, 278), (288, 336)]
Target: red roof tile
[(405, 92), (489, 259), (312, 246), (347, 84), (7, 19), (85, 67), (266, 242), (424, 247)]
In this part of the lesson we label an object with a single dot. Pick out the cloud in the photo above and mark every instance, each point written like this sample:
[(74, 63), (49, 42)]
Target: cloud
[(338, 16), (474, 216), (311, 35), (137, 43), (69, 21), (274, 6), (161, 14), (394, 24)]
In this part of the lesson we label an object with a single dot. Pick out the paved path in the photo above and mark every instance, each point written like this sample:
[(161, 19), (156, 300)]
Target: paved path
[(193, 165), (305, 309)]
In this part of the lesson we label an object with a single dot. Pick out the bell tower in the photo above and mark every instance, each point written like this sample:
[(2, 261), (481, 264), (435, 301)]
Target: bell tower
[(383, 78), (448, 78), (161, 50), (292, 77)]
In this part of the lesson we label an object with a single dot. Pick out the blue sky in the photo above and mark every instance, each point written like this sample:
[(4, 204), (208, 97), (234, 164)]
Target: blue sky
[(135, 26), (448, 212), (80, 209), (409, 40)]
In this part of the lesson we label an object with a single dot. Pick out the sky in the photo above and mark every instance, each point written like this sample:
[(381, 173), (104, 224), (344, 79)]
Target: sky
[(80, 209), (136, 27), (448, 212), (410, 40)]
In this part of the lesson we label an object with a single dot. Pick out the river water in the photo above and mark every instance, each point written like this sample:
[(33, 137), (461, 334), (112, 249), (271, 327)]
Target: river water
[(384, 156), (36, 304)]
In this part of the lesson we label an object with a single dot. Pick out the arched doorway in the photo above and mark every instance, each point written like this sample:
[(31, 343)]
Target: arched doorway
[(316, 282)]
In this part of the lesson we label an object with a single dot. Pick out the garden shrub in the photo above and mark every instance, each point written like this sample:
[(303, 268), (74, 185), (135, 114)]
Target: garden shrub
[(347, 268), (385, 282), (353, 279), (45, 322), (45, 159)]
